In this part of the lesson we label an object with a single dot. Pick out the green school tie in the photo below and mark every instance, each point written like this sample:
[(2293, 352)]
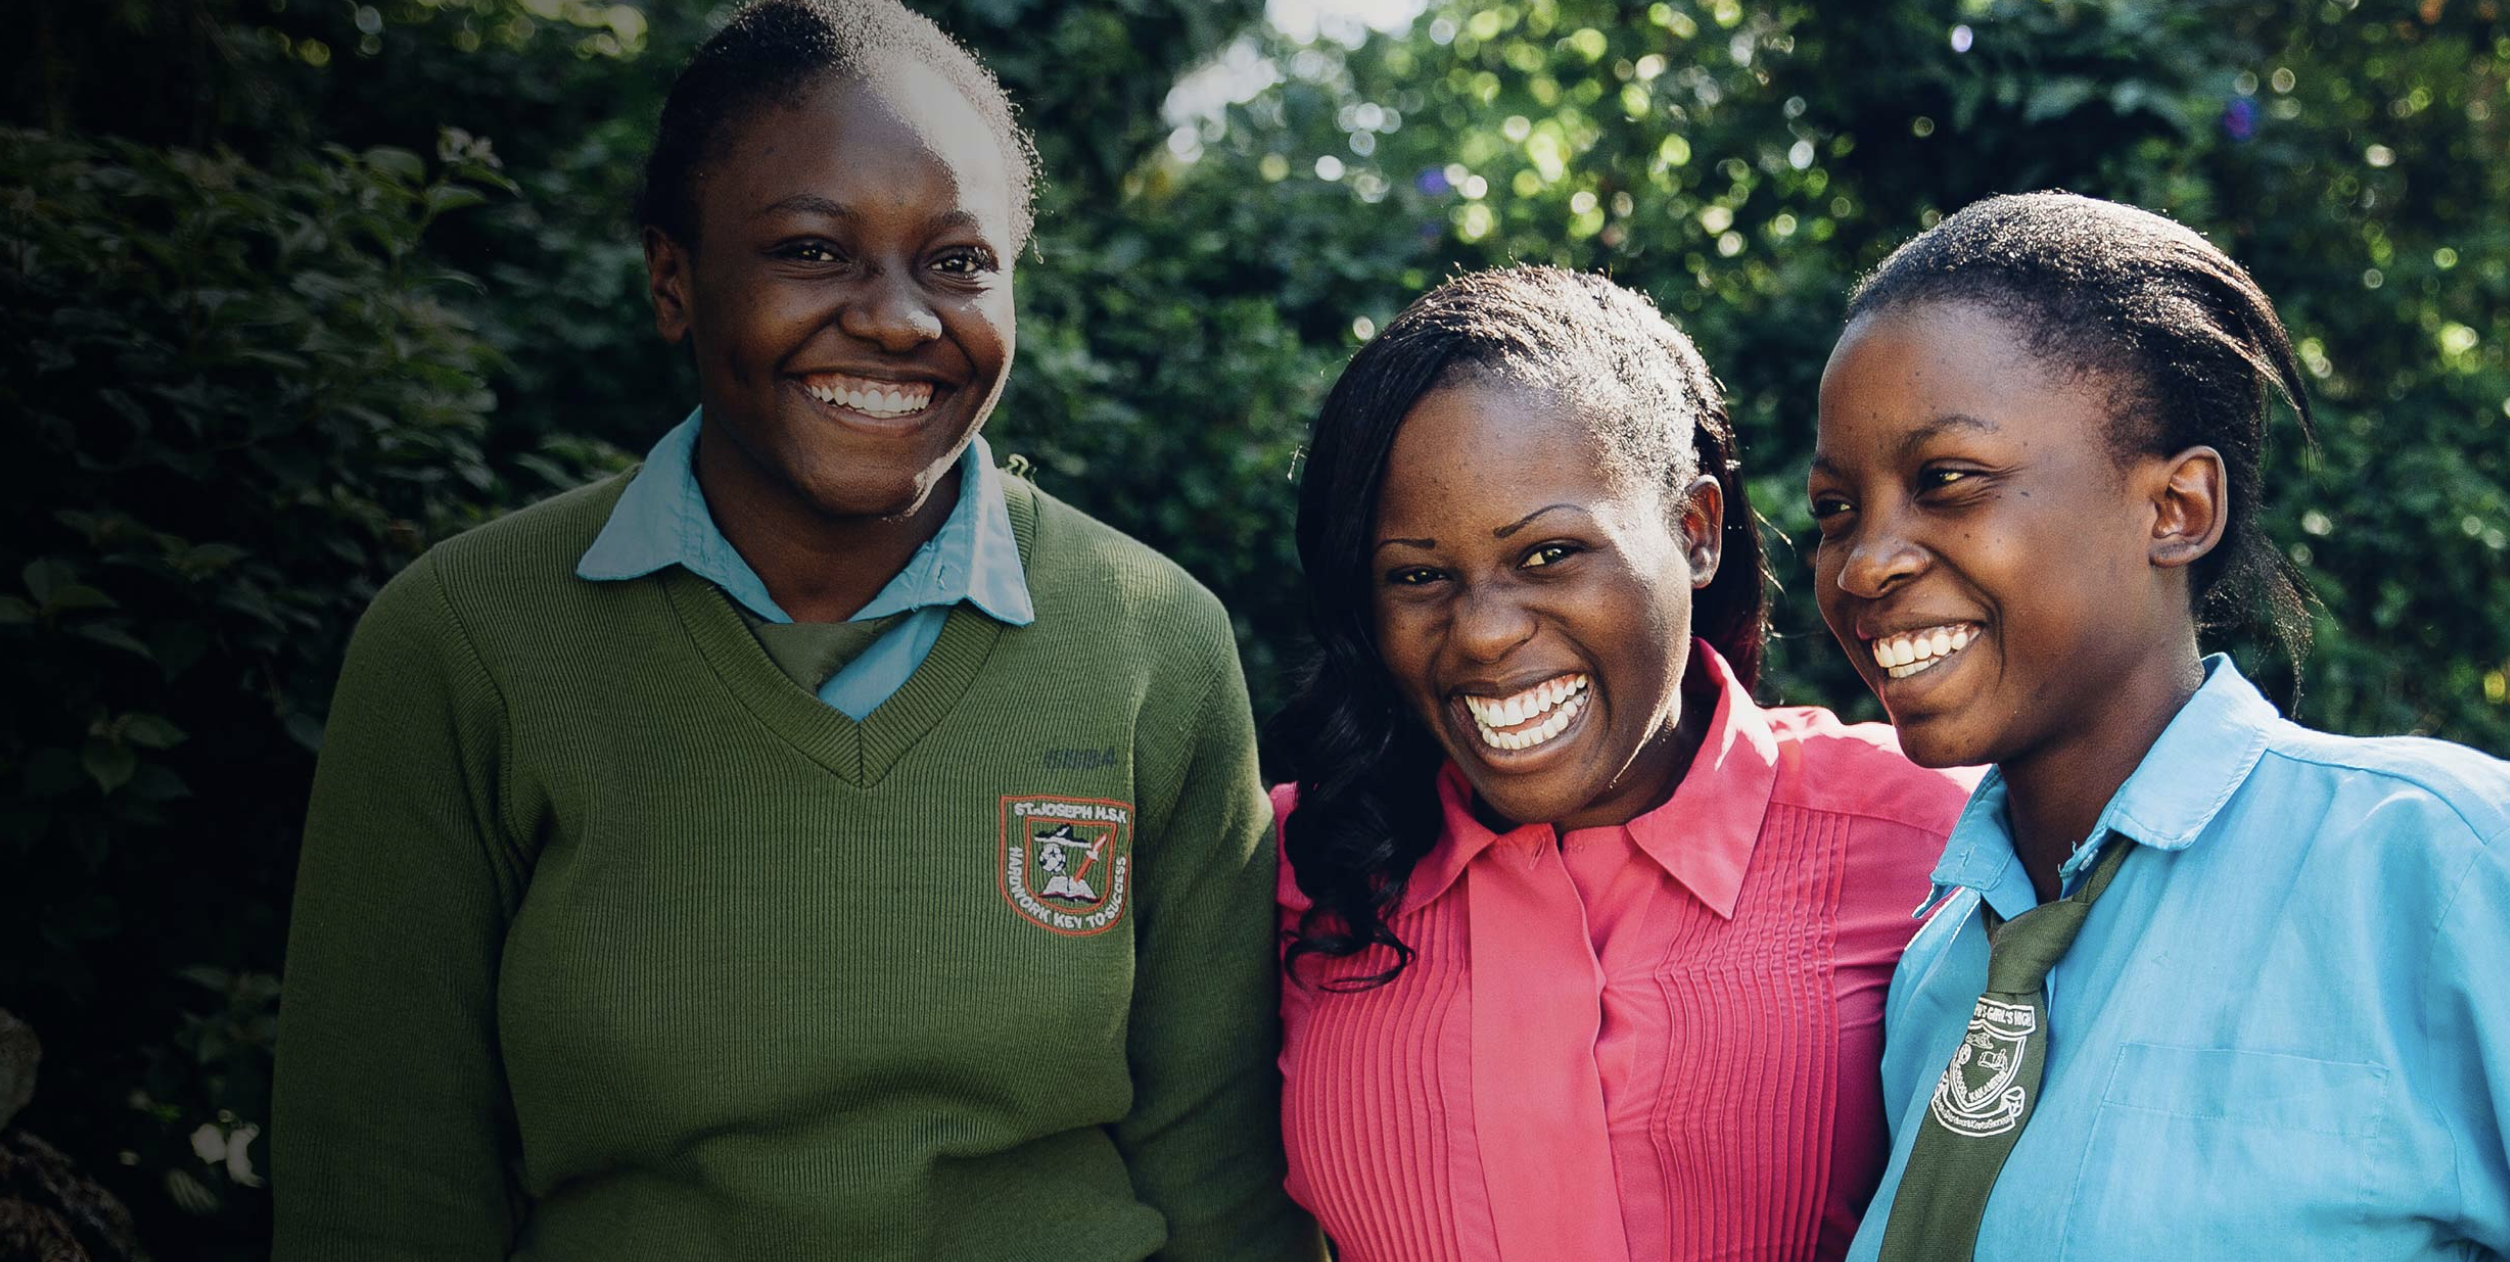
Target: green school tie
[(1986, 1094), (811, 653)]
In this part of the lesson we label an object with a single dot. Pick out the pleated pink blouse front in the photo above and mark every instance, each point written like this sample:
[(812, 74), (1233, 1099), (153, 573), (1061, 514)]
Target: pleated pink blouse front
[(1658, 1040)]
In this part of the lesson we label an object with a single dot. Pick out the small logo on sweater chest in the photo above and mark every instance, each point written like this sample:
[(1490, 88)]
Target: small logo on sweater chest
[(1067, 862)]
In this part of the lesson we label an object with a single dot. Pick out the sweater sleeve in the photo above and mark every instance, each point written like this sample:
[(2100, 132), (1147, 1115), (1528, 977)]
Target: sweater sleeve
[(1203, 1138), (391, 1135)]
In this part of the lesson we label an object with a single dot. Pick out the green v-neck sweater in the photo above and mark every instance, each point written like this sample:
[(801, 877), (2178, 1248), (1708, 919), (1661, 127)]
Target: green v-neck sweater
[(612, 943)]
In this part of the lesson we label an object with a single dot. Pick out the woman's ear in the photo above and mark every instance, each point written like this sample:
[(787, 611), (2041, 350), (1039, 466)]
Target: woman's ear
[(2191, 506), (1702, 526), (667, 275)]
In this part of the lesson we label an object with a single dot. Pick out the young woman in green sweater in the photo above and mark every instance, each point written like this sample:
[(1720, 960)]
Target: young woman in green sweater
[(812, 844)]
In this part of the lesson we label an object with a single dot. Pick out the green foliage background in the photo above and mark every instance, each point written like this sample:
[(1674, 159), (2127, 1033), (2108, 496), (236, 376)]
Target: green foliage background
[(290, 289)]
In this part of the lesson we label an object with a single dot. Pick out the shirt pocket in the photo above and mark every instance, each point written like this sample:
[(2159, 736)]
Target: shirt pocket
[(2214, 1153)]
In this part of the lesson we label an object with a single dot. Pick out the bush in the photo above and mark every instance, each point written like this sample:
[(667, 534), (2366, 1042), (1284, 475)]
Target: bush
[(244, 402)]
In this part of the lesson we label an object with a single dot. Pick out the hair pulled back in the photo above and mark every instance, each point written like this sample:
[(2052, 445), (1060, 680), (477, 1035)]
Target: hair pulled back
[(773, 52), (1366, 769), (2189, 348)]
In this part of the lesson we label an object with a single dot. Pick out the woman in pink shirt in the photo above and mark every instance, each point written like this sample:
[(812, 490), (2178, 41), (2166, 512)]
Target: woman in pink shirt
[(1586, 950)]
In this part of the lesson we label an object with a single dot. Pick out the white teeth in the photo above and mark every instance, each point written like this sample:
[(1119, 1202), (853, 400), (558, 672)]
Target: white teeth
[(1907, 653), (881, 401), (1536, 735), (1560, 698)]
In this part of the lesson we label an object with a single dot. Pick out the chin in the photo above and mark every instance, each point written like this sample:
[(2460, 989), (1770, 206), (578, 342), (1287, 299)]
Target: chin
[(1934, 743), (883, 497), (1522, 799)]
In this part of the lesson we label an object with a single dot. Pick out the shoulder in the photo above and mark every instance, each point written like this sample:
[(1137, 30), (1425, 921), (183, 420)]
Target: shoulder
[(1858, 769), (2408, 821), (1084, 572), (2437, 775), (513, 570), (1077, 547), (2388, 796), (532, 549), (560, 527)]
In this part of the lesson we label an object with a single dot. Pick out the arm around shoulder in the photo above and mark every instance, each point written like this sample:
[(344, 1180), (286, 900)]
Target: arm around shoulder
[(392, 1131)]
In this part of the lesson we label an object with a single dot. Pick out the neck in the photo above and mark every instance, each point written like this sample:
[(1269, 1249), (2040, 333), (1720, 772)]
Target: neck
[(816, 566), (2055, 793)]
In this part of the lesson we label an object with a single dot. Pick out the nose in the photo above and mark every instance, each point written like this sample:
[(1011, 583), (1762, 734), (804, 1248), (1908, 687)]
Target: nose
[(1490, 622), (890, 312), (1877, 561)]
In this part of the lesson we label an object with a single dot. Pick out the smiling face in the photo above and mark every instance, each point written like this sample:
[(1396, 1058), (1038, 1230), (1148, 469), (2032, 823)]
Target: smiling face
[(849, 294), (1533, 610), (2000, 578)]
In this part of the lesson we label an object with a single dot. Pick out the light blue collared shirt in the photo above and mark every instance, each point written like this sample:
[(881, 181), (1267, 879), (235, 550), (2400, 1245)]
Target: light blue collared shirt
[(2284, 1032), (661, 519)]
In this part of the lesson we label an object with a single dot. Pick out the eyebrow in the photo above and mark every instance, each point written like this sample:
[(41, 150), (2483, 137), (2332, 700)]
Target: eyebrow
[(1917, 437), (1943, 424), (805, 203), (1521, 522), (814, 204), (1499, 532)]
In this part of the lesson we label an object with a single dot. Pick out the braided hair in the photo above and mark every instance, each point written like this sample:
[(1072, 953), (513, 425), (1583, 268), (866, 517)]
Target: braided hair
[(774, 52), (2189, 347), (1365, 767)]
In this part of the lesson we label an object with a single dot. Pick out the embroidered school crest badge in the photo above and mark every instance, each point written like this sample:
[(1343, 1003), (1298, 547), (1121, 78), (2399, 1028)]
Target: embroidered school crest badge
[(1978, 1096), (1067, 862)]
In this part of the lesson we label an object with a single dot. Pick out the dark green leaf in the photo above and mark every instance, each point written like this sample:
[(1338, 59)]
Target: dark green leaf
[(108, 764), (112, 636), (151, 731)]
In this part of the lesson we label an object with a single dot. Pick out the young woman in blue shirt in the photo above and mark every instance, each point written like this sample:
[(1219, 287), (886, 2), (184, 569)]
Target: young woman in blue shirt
[(2265, 1015)]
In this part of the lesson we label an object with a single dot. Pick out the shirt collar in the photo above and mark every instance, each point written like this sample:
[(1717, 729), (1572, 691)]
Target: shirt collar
[(2201, 758), (661, 520), (1702, 836), (973, 558)]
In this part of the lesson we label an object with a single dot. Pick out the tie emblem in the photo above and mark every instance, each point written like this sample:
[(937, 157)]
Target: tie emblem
[(1978, 1095)]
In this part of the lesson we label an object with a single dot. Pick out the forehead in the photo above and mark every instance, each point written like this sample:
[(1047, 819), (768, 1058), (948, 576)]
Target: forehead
[(1931, 366), (1485, 449), (902, 137)]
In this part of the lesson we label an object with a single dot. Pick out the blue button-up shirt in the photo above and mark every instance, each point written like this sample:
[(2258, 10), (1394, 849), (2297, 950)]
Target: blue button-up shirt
[(661, 519), (2284, 1032)]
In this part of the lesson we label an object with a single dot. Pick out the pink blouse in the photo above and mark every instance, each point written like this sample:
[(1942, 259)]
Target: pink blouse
[(1654, 1040)]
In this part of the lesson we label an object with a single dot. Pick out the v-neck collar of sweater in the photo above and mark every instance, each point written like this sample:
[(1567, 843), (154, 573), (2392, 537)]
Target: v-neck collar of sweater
[(861, 751)]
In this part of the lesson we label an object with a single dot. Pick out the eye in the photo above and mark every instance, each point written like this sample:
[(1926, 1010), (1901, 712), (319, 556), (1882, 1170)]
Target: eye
[(808, 251), (1826, 507), (1937, 477), (966, 261), (1412, 576), (1548, 554)]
